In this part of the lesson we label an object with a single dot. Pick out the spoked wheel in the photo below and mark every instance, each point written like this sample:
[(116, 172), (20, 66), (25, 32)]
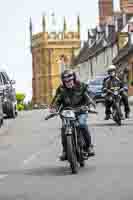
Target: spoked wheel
[(118, 119), (117, 115), (71, 155), (82, 163), (81, 159)]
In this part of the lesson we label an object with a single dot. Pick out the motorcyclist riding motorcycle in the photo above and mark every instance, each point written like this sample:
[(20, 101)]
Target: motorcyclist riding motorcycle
[(114, 81), (73, 93)]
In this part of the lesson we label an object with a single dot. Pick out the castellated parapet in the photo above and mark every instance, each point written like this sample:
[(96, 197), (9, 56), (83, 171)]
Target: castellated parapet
[(51, 54)]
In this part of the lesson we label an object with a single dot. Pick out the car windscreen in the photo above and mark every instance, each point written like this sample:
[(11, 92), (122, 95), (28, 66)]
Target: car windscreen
[(96, 82)]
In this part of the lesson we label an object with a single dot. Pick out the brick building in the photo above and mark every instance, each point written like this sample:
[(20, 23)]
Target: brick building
[(126, 6), (105, 10)]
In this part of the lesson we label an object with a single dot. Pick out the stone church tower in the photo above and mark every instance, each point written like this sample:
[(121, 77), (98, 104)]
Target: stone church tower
[(51, 53), (105, 10)]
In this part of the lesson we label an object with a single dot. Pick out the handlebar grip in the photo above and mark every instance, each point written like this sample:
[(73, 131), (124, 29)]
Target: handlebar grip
[(51, 115), (93, 111), (47, 117)]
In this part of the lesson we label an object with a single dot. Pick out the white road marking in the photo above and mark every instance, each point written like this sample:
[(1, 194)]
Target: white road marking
[(34, 156), (31, 158), (3, 176)]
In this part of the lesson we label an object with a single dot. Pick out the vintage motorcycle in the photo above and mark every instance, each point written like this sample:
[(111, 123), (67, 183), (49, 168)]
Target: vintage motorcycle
[(76, 146), (115, 99)]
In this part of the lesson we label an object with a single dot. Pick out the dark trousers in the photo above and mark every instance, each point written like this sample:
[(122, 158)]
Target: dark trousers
[(108, 104), (124, 99), (85, 132)]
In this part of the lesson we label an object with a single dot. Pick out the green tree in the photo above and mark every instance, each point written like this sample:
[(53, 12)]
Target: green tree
[(20, 98), (20, 107)]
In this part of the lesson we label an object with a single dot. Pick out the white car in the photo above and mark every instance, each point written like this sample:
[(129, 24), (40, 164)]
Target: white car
[(8, 95), (1, 112)]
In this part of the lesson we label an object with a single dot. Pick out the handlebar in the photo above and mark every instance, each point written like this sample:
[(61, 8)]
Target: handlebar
[(78, 109), (92, 111), (112, 91), (51, 115)]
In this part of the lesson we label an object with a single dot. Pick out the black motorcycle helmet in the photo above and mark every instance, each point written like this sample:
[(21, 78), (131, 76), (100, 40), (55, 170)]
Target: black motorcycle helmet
[(68, 75)]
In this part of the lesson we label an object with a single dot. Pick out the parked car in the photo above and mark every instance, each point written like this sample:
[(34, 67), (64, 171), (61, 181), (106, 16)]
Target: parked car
[(8, 95), (95, 89), (1, 112)]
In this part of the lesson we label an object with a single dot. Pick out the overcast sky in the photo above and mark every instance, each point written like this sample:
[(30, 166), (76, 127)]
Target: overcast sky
[(14, 31)]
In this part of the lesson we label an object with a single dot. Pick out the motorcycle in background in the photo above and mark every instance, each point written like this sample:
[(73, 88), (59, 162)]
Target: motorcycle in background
[(115, 100)]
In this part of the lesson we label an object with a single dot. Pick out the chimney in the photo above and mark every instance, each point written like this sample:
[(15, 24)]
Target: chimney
[(105, 10), (124, 4), (106, 30), (124, 16), (99, 30), (116, 25)]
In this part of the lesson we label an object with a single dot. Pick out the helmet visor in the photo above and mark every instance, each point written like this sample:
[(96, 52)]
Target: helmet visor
[(68, 77)]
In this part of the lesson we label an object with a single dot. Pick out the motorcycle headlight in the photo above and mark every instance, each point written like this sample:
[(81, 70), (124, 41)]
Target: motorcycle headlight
[(116, 93), (68, 114), (103, 94)]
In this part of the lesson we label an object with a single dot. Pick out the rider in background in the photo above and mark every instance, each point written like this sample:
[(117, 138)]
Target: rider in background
[(73, 93), (110, 82)]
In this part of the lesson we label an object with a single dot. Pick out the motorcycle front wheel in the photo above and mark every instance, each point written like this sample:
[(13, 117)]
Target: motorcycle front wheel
[(117, 114), (71, 154)]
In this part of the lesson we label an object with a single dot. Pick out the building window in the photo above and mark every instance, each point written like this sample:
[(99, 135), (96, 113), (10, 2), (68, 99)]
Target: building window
[(112, 52), (96, 59), (91, 67), (38, 63), (132, 72), (104, 57)]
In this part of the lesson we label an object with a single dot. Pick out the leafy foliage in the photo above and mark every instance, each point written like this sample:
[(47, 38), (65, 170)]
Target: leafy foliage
[(20, 107), (20, 98)]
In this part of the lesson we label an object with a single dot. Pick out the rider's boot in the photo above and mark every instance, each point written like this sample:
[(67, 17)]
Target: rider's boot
[(63, 156), (107, 117), (127, 115), (91, 151), (89, 147)]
